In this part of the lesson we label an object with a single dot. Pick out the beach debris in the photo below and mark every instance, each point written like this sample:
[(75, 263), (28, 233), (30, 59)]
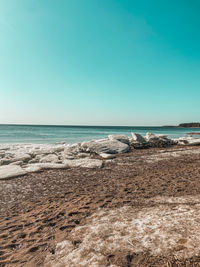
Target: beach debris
[(105, 146), (9, 171), (119, 137)]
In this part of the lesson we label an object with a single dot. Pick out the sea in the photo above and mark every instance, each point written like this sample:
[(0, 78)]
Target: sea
[(42, 134)]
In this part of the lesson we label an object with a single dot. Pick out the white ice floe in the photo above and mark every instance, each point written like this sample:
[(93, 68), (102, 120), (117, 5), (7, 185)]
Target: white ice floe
[(49, 158), (47, 165), (107, 156), (85, 163), (79, 154), (9, 171), (119, 137), (138, 138), (188, 140), (105, 146)]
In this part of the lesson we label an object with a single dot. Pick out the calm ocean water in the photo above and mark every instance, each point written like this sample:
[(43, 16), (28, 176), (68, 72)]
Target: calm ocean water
[(73, 134)]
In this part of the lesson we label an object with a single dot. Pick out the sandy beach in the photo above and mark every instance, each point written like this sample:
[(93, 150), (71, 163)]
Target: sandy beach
[(40, 210), (99, 133)]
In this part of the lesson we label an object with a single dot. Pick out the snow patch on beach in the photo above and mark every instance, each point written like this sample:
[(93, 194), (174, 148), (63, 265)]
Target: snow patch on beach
[(164, 155), (170, 227)]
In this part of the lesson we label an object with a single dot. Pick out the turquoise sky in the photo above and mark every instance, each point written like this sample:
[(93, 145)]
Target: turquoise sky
[(99, 62)]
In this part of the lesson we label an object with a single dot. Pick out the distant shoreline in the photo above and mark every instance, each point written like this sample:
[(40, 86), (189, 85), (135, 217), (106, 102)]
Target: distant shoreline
[(190, 125), (186, 125)]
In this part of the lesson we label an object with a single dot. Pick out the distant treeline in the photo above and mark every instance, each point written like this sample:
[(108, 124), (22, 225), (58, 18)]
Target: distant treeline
[(190, 125)]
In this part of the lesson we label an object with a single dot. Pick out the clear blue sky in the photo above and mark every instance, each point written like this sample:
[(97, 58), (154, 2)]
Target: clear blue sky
[(99, 62)]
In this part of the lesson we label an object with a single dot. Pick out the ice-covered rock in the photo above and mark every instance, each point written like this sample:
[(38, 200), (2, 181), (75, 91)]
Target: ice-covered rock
[(49, 158), (105, 146), (150, 140), (85, 163), (138, 138), (151, 137), (158, 140), (73, 149), (10, 171), (119, 137)]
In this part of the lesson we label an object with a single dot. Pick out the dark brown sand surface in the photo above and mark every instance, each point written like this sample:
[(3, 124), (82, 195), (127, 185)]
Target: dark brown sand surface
[(40, 209)]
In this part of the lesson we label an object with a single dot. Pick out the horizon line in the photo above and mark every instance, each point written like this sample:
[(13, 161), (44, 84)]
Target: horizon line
[(82, 125)]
